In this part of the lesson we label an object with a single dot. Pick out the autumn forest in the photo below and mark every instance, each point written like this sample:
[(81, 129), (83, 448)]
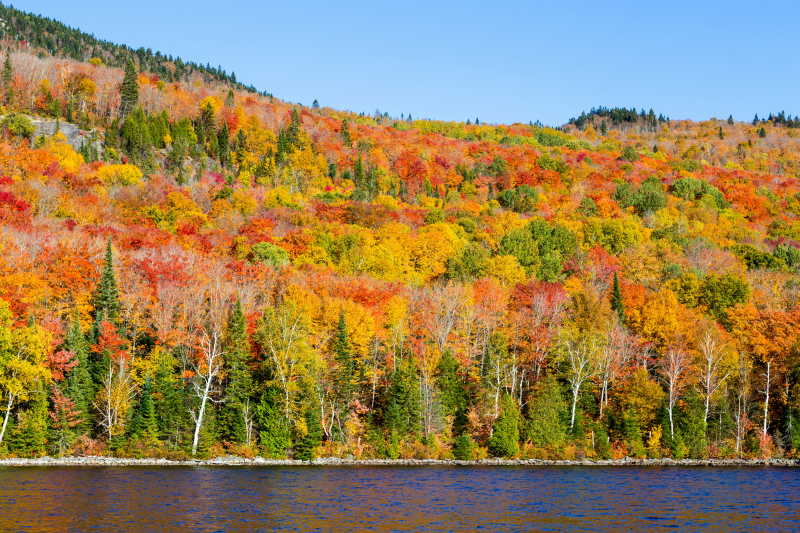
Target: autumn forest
[(193, 268)]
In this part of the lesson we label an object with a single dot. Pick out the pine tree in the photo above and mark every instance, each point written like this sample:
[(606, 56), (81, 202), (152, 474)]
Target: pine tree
[(79, 388), (504, 441), (8, 78), (346, 368), (169, 399), (617, 305), (307, 443), (345, 133), (762, 132), (720, 134), (403, 412), (144, 425), (106, 296), (730, 120), (275, 436), (223, 144), (29, 435), (129, 90), (234, 415)]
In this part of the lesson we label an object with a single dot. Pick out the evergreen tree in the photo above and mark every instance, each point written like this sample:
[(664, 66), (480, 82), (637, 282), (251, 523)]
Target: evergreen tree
[(106, 296), (720, 133), (762, 132), (617, 304), (223, 144), (170, 408), (345, 133), (79, 387), (235, 413), (129, 90), (504, 441), (730, 120), (144, 424), (404, 411), (547, 426), (8, 78), (274, 435), (346, 366), (307, 443), (453, 396), (29, 435)]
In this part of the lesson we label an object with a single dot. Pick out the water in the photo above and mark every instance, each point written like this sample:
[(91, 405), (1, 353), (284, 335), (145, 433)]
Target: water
[(398, 498)]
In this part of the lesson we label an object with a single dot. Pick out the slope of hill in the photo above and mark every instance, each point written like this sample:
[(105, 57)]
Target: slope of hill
[(228, 273)]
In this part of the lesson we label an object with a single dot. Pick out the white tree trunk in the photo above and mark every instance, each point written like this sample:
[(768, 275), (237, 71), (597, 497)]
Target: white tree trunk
[(7, 416), (766, 402)]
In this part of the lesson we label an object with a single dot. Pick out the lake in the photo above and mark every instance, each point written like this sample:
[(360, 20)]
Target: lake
[(398, 498)]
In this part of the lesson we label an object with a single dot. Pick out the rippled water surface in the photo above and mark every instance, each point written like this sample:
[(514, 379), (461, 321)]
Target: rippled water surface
[(398, 498)]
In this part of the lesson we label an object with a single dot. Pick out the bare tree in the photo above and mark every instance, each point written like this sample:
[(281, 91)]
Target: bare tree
[(673, 369), (207, 366), (581, 354), (712, 352), (613, 358)]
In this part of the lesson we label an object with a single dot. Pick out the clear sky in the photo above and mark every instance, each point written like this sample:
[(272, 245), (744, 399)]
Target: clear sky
[(501, 61)]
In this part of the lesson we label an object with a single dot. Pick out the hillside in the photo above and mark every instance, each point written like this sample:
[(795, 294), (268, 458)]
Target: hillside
[(223, 272)]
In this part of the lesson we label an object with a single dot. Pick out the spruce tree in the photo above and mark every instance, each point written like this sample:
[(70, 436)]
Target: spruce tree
[(504, 441), (730, 120), (346, 367), (345, 133), (223, 144), (617, 304), (144, 425), (275, 436), (129, 90), (106, 296), (79, 387), (239, 382), (169, 400), (8, 78)]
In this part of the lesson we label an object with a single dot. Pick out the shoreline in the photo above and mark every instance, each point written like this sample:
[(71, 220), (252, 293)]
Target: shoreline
[(229, 461)]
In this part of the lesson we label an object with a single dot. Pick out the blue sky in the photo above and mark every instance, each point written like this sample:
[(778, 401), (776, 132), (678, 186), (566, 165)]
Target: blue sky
[(511, 61)]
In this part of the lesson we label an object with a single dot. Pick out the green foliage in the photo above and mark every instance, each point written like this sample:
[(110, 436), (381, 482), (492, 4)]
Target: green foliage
[(404, 410), (520, 199), (106, 297), (29, 435), (551, 163), (788, 254), (18, 125), (617, 305), (587, 207), (129, 90), (144, 425), (630, 154), (719, 293), (239, 381), (546, 425), (504, 441), (695, 189), (649, 197), (614, 234), (541, 248), (269, 254), (755, 259), (275, 434), (464, 448), (79, 387), (471, 263)]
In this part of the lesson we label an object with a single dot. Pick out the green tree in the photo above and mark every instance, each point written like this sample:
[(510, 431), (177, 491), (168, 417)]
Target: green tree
[(8, 81), (404, 411), (548, 412), (617, 304), (235, 416), (129, 90), (144, 423), (274, 435), (79, 388), (504, 441)]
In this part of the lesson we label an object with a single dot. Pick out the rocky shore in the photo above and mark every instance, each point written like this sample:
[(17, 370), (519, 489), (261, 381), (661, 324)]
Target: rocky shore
[(334, 461)]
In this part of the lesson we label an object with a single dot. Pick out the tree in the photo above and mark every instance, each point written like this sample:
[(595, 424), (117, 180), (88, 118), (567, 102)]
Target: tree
[(8, 80), (504, 441), (674, 368), (617, 304), (79, 388), (547, 412), (345, 133), (129, 89), (580, 354), (144, 424), (22, 363), (206, 364), (713, 375), (106, 297), (236, 417)]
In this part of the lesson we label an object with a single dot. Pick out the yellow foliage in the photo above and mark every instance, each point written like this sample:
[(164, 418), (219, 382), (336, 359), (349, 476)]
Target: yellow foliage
[(243, 201), (506, 269), (67, 157), (120, 175), (282, 197)]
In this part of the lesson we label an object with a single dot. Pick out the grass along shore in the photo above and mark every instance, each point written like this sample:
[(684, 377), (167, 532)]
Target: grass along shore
[(333, 461)]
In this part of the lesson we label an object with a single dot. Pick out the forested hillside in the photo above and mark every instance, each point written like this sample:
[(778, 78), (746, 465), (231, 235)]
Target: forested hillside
[(223, 272)]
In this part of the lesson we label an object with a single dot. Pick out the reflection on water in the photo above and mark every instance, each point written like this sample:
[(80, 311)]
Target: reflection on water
[(398, 498)]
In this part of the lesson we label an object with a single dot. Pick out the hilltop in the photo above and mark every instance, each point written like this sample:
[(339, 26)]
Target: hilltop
[(221, 272)]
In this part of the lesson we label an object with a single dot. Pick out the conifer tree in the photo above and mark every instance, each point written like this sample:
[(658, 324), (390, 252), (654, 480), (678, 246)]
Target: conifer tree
[(223, 144), (144, 425), (345, 133), (168, 395), (504, 441), (106, 296), (346, 368), (79, 387), (275, 436), (730, 120), (617, 304), (129, 90), (8, 78), (235, 413)]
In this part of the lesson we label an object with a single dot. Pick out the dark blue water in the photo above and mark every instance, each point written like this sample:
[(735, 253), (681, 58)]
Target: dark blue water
[(398, 498)]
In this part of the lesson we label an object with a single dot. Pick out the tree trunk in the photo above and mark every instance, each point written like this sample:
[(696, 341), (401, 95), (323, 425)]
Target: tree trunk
[(766, 402), (7, 416), (671, 403), (199, 418), (575, 391)]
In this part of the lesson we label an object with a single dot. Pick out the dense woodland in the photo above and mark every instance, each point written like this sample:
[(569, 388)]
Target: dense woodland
[(212, 271)]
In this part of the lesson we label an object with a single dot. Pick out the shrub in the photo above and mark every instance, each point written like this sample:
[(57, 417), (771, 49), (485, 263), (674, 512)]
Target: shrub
[(19, 125)]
